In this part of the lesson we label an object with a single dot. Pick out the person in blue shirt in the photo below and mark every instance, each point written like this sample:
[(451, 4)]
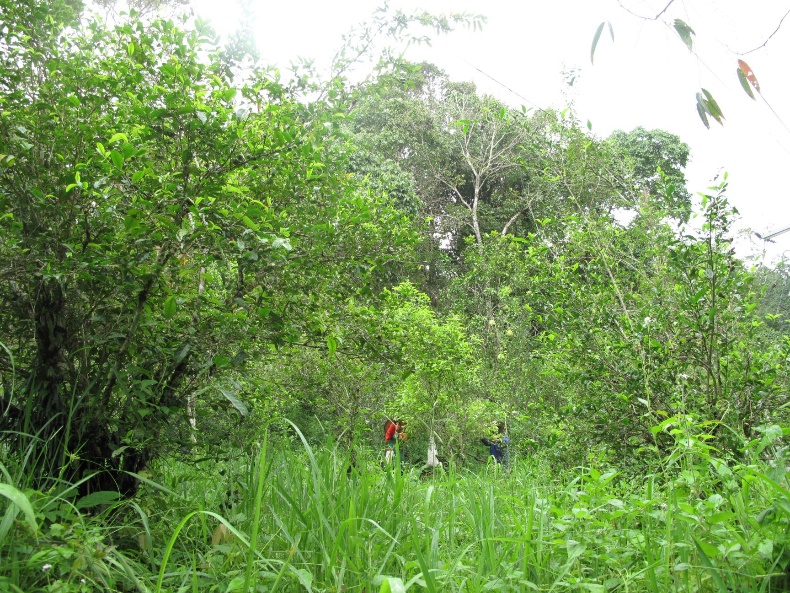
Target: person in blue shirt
[(498, 444)]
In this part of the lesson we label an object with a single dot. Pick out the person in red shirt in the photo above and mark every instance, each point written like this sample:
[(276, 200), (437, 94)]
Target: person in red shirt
[(392, 434)]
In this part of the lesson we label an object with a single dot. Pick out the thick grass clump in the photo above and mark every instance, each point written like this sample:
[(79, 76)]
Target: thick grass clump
[(304, 519)]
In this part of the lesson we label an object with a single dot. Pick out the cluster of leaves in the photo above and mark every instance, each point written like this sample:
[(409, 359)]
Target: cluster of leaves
[(163, 221), (706, 105)]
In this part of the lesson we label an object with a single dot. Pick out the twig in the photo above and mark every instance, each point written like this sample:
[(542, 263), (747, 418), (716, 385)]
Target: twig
[(769, 37), (646, 18)]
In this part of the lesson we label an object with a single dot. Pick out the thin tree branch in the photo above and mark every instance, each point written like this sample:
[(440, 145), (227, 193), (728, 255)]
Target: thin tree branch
[(513, 219), (454, 190), (646, 18), (779, 26)]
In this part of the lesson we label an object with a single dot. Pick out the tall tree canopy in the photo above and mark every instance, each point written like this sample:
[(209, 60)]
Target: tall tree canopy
[(477, 165), (163, 220), (658, 159)]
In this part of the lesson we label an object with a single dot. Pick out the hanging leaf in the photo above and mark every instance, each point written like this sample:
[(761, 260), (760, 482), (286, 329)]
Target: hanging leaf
[(685, 32), (235, 401), (597, 37), (707, 106), (749, 74), (702, 110), (745, 83), (713, 107)]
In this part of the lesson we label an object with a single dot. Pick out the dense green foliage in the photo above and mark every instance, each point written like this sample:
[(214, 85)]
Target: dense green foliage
[(312, 520), (161, 223), (216, 287)]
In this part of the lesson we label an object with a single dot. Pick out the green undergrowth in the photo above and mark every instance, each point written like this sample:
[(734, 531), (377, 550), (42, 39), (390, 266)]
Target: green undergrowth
[(309, 519)]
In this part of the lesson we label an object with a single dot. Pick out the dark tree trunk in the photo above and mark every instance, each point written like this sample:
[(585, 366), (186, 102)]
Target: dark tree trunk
[(74, 440)]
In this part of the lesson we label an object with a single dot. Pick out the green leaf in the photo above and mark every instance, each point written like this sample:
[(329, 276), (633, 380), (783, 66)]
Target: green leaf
[(713, 107), (18, 499), (331, 344), (702, 110), (118, 137), (220, 360), (118, 451), (248, 222), (770, 435), (235, 401), (745, 83), (596, 37), (117, 158), (575, 549), (97, 498), (131, 222), (766, 549), (685, 32), (701, 548), (392, 585), (228, 94), (171, 306)]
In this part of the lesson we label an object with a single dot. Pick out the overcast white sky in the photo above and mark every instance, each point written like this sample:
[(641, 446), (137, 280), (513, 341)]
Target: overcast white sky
[(646, 77)]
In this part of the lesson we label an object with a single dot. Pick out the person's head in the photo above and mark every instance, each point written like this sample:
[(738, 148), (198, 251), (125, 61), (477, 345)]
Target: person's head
[(500, 427)]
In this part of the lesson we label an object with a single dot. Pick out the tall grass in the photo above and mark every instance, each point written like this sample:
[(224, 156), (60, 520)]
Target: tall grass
[(284, 518)]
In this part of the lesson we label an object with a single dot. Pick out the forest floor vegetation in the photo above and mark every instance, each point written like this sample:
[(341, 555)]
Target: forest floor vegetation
[(307, 518)]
